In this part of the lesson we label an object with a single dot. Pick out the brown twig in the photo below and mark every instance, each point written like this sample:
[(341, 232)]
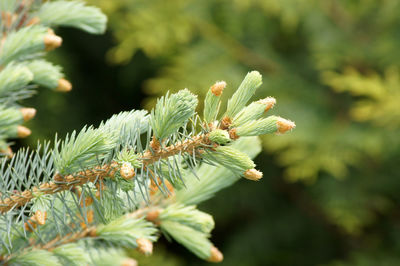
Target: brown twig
[(63, 183)]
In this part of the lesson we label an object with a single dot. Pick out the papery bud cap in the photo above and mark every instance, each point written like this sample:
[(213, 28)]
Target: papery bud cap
[(64, 85), (216, 255), (145, 246), (218, 88), (269, 103), (253, 174), (28, 113), (23, 132), (284, 125), (52, 41)]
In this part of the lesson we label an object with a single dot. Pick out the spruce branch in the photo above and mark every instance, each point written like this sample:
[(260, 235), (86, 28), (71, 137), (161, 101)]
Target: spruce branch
[(122, 182), (67, 182)]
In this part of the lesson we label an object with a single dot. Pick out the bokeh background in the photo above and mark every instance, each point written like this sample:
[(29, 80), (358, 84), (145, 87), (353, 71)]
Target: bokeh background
[(331, 189)]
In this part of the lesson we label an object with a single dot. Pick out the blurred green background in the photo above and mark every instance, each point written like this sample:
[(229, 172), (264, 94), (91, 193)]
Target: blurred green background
[(330, 192)]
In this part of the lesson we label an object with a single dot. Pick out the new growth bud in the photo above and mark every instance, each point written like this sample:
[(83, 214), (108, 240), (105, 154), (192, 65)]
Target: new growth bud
[(225, 123), (219, 136), (52, 41), (246, 90), (64, 85), (127, 171), (28, 113), (253, 174), (216, 255), (284, 125), (218, 88), (145, 246), (253, 111), (23, 132), (40, 217), (231, 158), (212, 101)]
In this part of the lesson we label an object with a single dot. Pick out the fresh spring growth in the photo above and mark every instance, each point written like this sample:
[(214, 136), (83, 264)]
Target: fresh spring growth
[(126, 230), (12, 78), (212, 101), (35, 257), (253, 174), (219, 136), (87, 18), (247, 88), (196, 241), (253, 111), (217, 178), (191, 228), (72, 254), (45, 73), (10, 118), (271, 124), (129, 155), (189, 216), (128, 161), (127, 171), (84, 148), (231, 158), (25, 42), (171, 112)]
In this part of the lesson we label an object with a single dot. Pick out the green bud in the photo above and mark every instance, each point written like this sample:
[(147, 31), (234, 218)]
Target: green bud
[(34, 257), (125, 230), (45, 73), (189, 216), (212, 101), (219, 136), (72, 254), (271, 124), (258, 127), (129, 155), (22, 43), (12, 78), (251, 82), (196, 241), (231, 158), (172, 112), (10, 118), (253, 111), (80, 16)]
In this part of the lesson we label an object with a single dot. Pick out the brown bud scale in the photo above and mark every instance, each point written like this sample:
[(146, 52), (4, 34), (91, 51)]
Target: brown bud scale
[(253, 174), (216, 255), (218, 88)]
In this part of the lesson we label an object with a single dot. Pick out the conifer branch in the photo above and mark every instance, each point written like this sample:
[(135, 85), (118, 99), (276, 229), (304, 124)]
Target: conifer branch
[(62, 183), (107, 185)]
